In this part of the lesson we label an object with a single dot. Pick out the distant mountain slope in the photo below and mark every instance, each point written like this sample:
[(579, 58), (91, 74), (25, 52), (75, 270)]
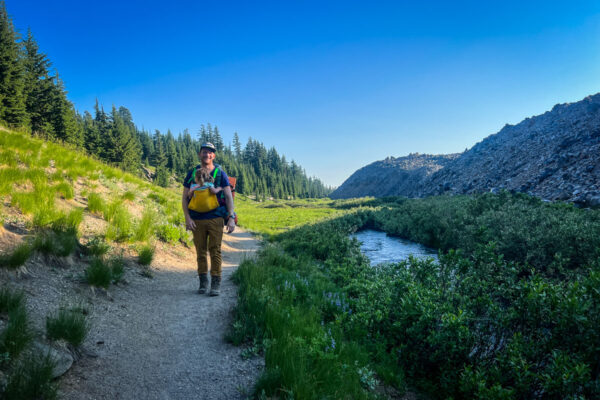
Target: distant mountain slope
[(392, 176), (554, 156)]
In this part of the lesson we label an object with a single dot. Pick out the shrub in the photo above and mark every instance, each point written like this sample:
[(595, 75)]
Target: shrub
[(169, 233), (146, 255), (17, 334), (69, 325), (96, 203), (97, 246), (18, 257), (98, 274), (10, 299), (32, 379)]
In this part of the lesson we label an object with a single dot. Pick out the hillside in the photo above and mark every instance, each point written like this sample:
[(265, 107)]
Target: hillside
[(83, 244), (553, 156), (392, 176)]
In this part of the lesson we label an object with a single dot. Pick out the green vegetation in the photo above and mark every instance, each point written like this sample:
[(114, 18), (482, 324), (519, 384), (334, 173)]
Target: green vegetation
[(17, 333), (98, 273), (10, 299), (32, 379), (117, 268), (276, 216), (145, 228), (146, 254), (96, 203), (97, 246), (489, 321), (69, 325), (17, 258)]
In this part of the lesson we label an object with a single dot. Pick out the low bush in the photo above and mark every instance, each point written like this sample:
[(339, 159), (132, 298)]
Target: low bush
[(98, 274), (145, 255), (68, 325), (97, 246), (169, 233)]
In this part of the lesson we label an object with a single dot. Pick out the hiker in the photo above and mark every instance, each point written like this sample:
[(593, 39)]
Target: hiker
[(205, 217)]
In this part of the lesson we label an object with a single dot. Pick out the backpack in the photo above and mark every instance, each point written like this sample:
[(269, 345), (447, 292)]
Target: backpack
[(217, 181)]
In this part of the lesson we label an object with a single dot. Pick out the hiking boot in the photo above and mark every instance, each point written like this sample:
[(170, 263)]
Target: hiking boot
[(203, 283), (215, 285)]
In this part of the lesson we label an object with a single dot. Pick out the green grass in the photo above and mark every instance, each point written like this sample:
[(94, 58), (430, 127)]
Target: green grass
[(145, 255), (65, 189), (98, 274), (273, 217), (117, 268), (96, 203), (32, 379), (17, 257), (145, 228), (68, 325), (17, 334), (119, 222), (11, 299), (128, 196)]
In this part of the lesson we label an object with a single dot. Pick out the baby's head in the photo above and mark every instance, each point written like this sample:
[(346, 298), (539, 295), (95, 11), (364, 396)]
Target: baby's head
[(203, 176)]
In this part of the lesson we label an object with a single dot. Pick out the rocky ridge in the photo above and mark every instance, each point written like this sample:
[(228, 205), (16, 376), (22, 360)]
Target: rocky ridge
[(392, 176), (554, 156)]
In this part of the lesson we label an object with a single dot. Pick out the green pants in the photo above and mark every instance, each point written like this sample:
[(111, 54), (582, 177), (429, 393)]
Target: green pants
[(207, 239)]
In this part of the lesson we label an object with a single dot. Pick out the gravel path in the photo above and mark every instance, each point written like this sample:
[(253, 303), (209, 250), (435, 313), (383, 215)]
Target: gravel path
[(159, 339)]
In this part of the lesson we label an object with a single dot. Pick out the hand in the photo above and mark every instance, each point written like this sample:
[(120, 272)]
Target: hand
[(190, 224), (230, 225)]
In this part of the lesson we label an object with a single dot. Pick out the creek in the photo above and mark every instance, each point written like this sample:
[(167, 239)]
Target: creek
[(381, 248)]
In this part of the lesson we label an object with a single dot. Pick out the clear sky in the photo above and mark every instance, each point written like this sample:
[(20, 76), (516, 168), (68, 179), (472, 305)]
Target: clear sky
[(334, 85)]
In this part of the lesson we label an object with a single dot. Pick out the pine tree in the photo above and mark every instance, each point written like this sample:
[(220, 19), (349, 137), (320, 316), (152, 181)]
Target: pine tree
[(38, 88), (12, 82), (63, 118), (125, 151)]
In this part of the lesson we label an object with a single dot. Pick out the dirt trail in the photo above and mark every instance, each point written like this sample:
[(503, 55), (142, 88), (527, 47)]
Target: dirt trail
[(159, 339)]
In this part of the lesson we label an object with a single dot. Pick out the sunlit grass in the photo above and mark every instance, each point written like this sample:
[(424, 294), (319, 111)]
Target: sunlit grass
[(65, 190), (274, 217), (119, 222), (145, 255), (96, 203), (145, 227)]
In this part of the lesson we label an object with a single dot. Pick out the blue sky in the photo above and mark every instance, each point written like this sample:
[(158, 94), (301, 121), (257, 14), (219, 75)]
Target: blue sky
[(334, 85)]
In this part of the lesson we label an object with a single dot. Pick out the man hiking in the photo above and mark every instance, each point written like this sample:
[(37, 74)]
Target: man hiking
[(205, 217)]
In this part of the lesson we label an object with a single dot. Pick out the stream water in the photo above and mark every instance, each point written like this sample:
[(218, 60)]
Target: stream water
[(381, 248)]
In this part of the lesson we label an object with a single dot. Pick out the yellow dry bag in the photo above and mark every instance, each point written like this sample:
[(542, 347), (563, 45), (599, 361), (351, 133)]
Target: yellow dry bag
[(203, 201)]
